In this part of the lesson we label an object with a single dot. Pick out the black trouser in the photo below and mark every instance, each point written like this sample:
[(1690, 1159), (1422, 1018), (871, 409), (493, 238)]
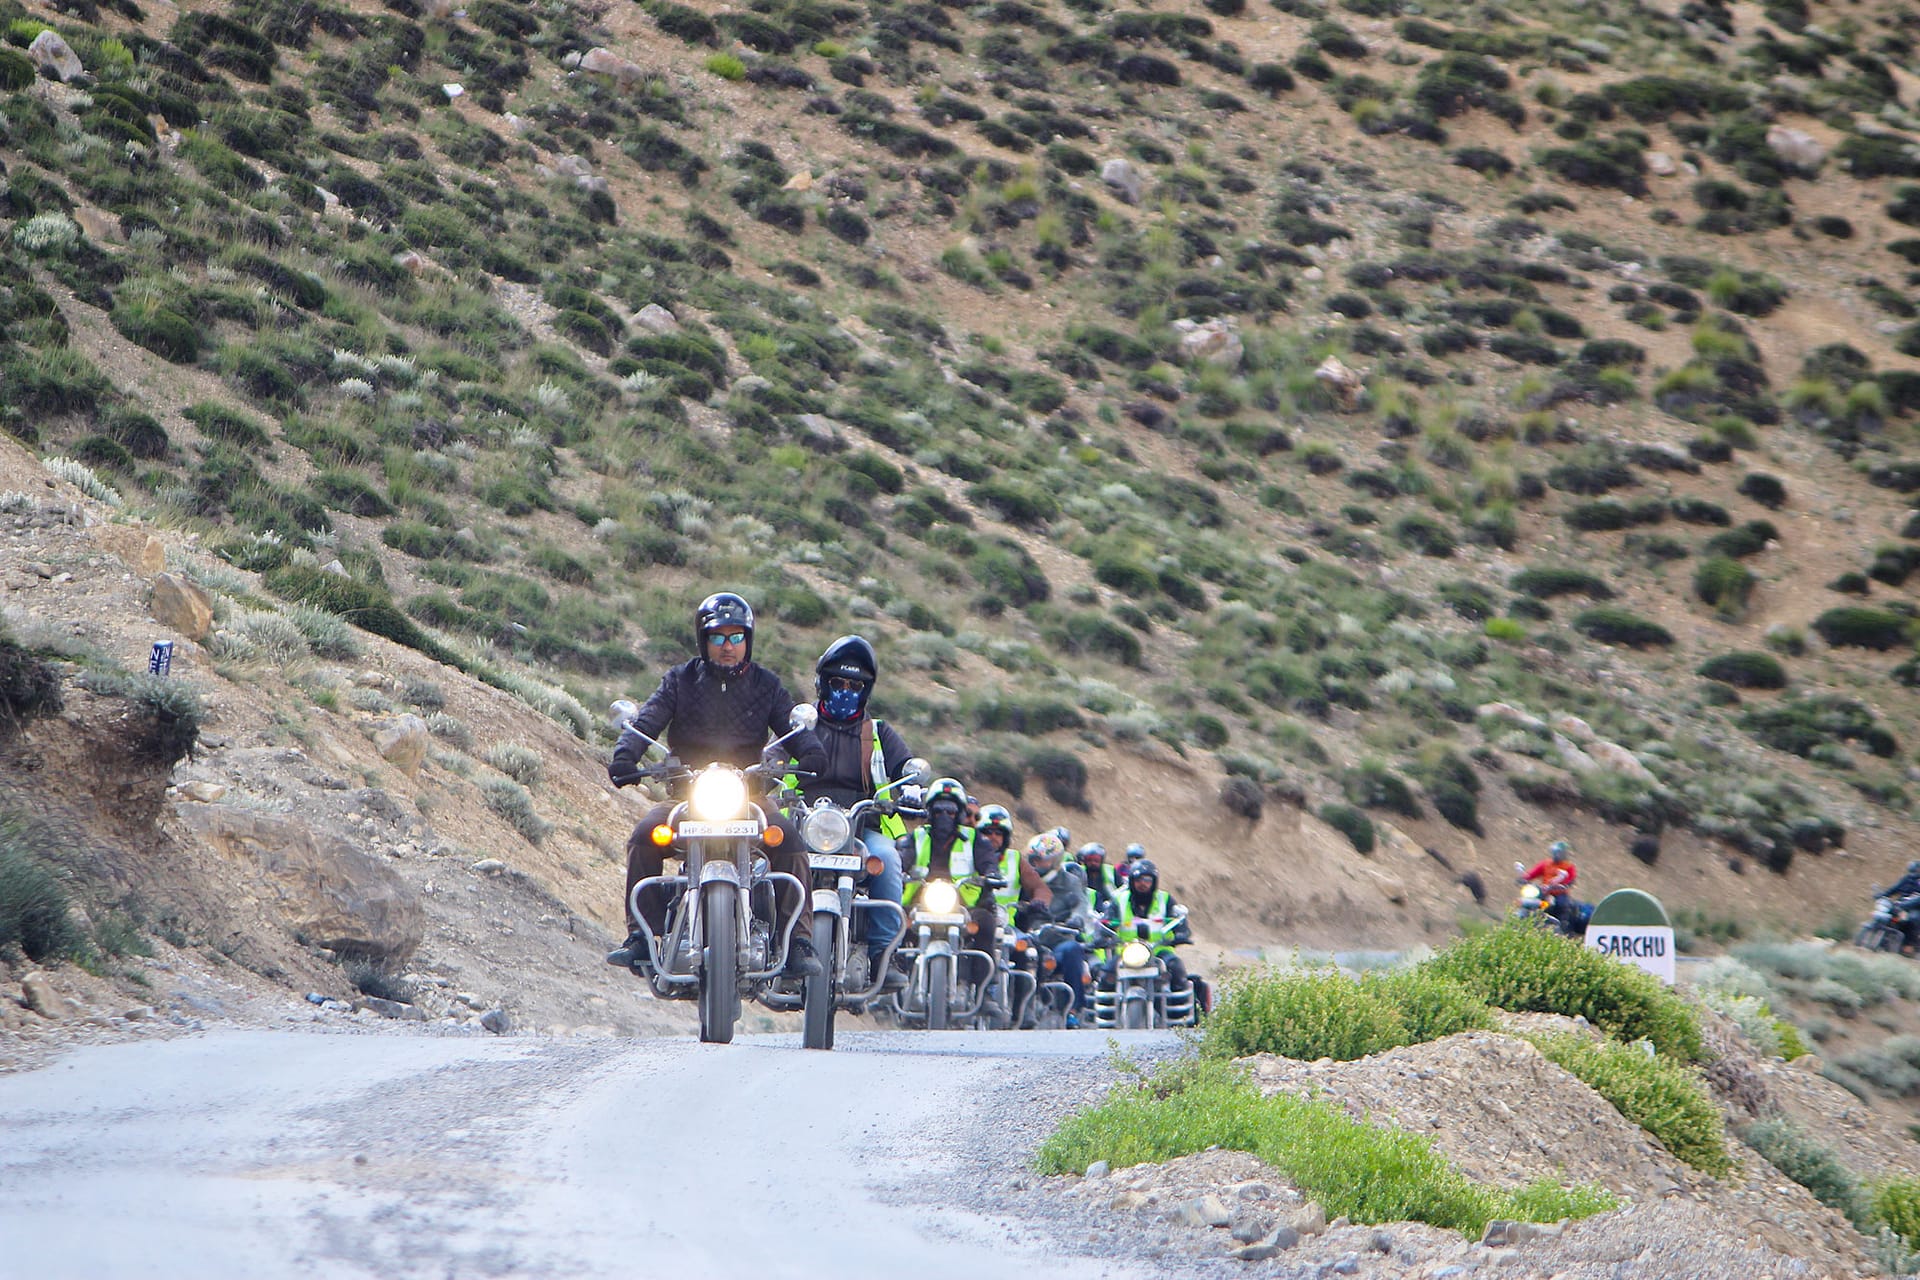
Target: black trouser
[(645, 858)]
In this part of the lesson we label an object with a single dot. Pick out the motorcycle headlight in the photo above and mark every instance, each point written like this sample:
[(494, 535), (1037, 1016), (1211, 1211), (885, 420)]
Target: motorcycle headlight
[(942, 898), (718, 794), (1135, 955), (826, 830)]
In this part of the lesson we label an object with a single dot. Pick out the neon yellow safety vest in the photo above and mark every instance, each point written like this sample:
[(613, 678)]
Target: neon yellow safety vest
[(959, 865), (1159, 926)]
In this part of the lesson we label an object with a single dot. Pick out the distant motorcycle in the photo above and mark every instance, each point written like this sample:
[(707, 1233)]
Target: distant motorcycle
[(1052, 999), (1886, 929), (720, 943), (1138, 998), (1536, 906)]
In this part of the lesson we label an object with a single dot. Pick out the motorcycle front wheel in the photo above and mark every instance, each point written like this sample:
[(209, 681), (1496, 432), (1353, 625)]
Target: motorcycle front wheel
[(1133, 1014), (719, 963), (939, 987), (816, 1027)]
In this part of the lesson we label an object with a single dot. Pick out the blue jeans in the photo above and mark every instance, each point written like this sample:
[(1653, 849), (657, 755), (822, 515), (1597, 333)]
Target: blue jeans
[(1070, 960), (882, 923)]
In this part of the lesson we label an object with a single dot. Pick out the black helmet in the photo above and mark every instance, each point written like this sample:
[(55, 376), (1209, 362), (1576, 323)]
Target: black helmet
[(722, 609), (848, 658), (1144, 870), (1913, 868)]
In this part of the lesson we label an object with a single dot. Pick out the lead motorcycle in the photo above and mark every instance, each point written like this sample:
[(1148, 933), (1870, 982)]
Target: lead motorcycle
[(720, 944), (838, 857)]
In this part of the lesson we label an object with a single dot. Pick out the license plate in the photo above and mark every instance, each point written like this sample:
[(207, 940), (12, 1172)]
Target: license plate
[(748, 828), (939, 920), (835, 861)]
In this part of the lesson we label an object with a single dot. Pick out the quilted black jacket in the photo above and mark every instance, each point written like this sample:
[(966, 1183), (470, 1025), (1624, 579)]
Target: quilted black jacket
[(707, 716)]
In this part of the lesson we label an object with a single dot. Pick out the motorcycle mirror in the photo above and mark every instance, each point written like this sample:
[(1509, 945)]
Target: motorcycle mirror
[(1180, 911), (621, 714), (805, 716), (918, 772)]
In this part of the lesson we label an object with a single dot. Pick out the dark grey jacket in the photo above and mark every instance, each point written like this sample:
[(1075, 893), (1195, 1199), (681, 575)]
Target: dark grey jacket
[(847, 775), (708, 717)]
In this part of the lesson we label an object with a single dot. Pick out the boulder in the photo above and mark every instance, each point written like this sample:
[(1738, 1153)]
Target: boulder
[(181, 606), (38, 991), (49, 50), (1800, 149), (1215, 342), (573, 166), (1124, 180), (801, 181), (404, 743), (1617, 759), (1661, 165), (1344, 384), (1574, 727), (204, 792), (152, 557), (655, 318), (328, 892), (624, 72)]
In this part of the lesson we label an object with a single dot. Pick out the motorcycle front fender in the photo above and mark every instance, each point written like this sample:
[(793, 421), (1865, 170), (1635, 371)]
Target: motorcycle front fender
[(826, 900), (719, 869)]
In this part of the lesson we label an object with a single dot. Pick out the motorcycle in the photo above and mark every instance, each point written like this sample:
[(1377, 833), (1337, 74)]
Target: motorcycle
[(1012, 985), (720, 944), (1138, 999), (1052, 1001), (837, 856), (946, 983), (1886, 929), (1535, 905)]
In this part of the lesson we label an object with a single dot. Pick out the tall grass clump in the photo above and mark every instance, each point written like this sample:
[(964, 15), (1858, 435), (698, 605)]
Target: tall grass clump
[(522, 764), (1656, 1093), (1353, 1169), (1431, 1004), (1523, 969), (1813, 1165), (510, 800), (168, 713), (35, 911)]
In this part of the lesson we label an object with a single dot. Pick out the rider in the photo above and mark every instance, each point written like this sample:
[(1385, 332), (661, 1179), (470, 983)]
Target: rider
[(1102, 882), (1143, 901), (1903, 892), (1555, 875), (1134, 853), (1071, 904), (940, 848), (720, 707), (864, 752)]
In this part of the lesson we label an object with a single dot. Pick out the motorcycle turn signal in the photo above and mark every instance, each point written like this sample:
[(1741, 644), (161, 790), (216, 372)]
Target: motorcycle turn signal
[(662, 835), (772, 837), (874, 865)]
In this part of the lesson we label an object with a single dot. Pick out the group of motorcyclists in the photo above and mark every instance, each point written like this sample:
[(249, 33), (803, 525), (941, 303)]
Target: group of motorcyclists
[(721, 706)]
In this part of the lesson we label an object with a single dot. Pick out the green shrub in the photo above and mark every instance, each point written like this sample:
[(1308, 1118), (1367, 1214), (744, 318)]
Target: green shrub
[(522, 764), (1896, 1205), (367, 607), (1016, 501), (165, 332), (1356, 826), (1862, 627), (1430, 1004), (226, 424), (167, 713), (1545, 582), (1612, 625), (1528, 970), (1062, 773), (1813, 1165), (1746, 669), (1353, 1169), (35, 912), (1304, 1015), (726, 66), (1724, 583), (510, 800), (1655, 1093), (28, 685), (1372, 785)]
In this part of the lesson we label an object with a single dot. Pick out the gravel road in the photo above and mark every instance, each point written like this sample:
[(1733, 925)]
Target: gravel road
[(278, 1153)]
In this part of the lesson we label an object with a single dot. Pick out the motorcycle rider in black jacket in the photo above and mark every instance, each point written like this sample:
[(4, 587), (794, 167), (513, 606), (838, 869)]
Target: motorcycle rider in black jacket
[(719, 707), (1905, 893)]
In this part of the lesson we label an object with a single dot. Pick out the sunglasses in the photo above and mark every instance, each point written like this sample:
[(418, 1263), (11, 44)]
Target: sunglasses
[(845, 684), (730, 640)]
